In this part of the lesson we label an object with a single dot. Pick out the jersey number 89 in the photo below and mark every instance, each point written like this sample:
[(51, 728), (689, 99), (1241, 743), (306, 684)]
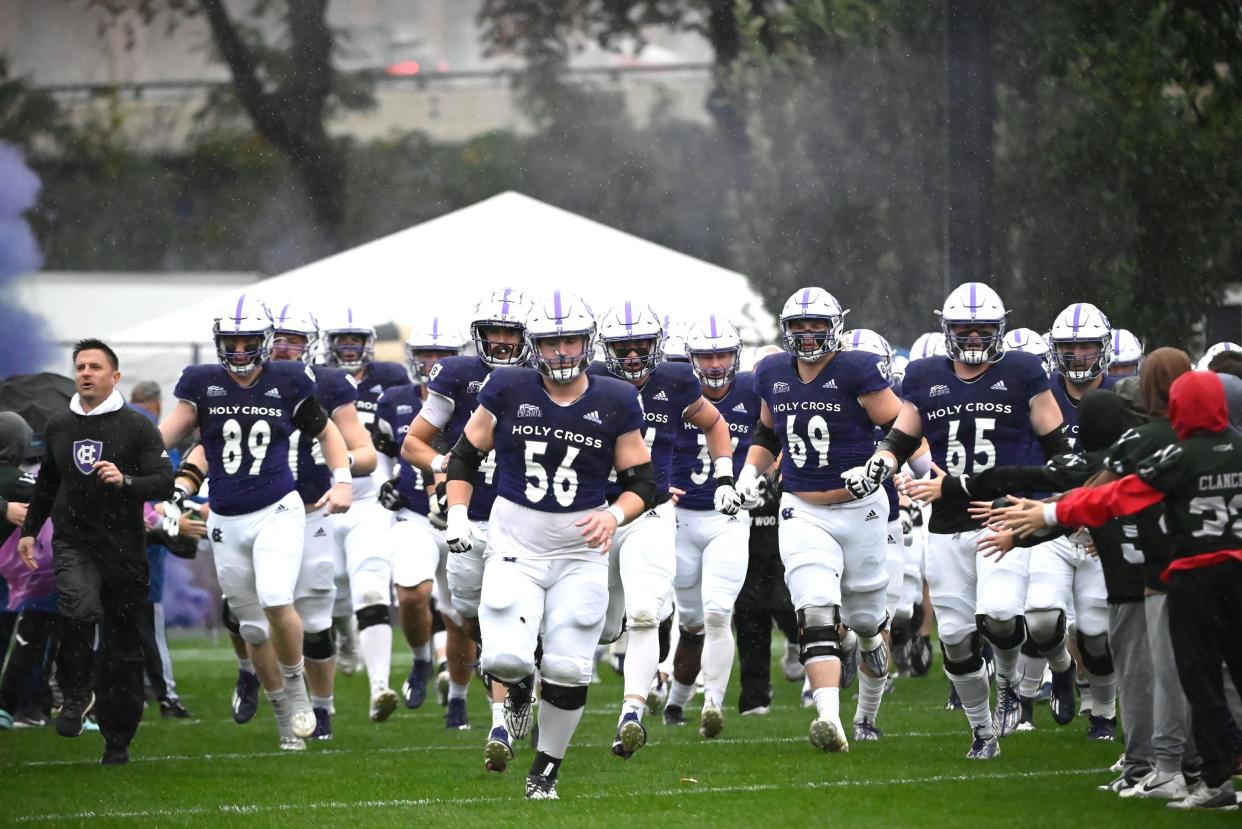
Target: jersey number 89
[(256, 442)]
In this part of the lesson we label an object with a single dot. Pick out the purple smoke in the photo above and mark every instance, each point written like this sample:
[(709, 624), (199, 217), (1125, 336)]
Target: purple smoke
[(24, 345)]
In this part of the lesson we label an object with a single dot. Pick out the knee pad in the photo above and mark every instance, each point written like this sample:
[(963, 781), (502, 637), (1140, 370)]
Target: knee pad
[(318, 647), (1097, 656), (1002, 633), (717, 621), (666, 636), (567, 698), (228, 619), (566, 671), (965, 656), (253, 633), (507, 667), (1046, 628), (818, 637), (642, 617), (867, 625), (376, 614)]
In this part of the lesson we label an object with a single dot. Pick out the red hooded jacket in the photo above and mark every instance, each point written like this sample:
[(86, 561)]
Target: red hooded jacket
[(1196, 405)]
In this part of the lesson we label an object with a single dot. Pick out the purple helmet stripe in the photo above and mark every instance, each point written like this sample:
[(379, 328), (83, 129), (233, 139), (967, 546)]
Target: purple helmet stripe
[(1077, 313), (284, 312), (556, 306), (973, 302), (857, 338), (237, 315), (1017, 337), (1117, 340), (350, 311), (629, 316), (435, 329), (806, 298), (504, 302), (712, 319)]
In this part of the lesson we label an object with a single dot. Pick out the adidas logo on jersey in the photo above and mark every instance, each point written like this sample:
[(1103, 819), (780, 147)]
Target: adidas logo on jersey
[(780, 388), (871, 515), (937, 391), (831, 384), (999, 385), (527, 410), (740, 407), (272, 393), (216, 391), (281, 508), (660, 395), (319, 533), (593, 417)]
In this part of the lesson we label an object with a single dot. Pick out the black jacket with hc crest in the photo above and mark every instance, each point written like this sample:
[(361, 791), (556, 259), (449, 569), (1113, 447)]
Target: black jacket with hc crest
[(87, 514)]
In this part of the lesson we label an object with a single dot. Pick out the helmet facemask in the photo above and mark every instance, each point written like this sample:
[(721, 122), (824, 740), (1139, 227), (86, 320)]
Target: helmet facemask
[(717, 375), (561, 367), (349, 356), (285, 346), (1084, 368), (812, 342), (495, 352), (634, 359), (256, 347), (974, 345)]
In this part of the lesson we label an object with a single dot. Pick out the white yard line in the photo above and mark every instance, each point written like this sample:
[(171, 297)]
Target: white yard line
[(225, 809)]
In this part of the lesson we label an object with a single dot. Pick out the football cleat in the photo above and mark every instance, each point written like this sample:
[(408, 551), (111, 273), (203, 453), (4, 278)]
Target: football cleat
[(519, 708), (498, 751), (985, 747), (757, 711), (29, 717), (1045, 688), (1102, 728), (323, 725), (245, 697), (711, 722), (114, 756), (674, 715), (456, 715), (1165, 786), (442, 687), (172, 709), (1120, 785), (827, 735), (1008, 710), (414, 689), (631, 735), (292, 743), (791, 663), (866, 732), (71, 720), (1062, 701), (954, 703), (658, 695), (1026, 722), (1223, 797), (383, 703), (539, 787)]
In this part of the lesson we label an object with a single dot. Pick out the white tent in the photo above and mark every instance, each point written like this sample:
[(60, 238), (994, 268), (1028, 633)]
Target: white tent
[(445, 265)]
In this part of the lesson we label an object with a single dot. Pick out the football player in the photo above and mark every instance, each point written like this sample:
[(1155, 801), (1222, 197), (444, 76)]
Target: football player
[(419, 554), (360, 536), (1032, 342), (930, 344), (977, 409), (643, 563), (557, 434), (246, 408), (498, 329), (1127, 354), (712, 547), (1212, 351), (833, 540), (295, 337)]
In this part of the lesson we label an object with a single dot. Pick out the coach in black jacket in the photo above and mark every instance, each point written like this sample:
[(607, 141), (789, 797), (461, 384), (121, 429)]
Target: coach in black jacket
[(104, 460)]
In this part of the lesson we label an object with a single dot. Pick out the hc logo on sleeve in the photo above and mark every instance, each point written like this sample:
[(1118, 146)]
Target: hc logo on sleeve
[(86, 453)]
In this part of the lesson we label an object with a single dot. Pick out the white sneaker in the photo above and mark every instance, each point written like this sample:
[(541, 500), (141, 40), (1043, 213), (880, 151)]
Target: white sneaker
[(1162, 785), (827, 735), (1119, 766), (711, 723), (791, 665), (1223, 797), (383, 703)]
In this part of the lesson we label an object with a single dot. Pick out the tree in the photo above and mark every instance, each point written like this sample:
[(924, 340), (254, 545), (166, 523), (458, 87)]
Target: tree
[(287, 86)]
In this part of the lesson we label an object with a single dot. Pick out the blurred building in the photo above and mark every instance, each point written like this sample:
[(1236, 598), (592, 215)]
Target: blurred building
[(434, 74)]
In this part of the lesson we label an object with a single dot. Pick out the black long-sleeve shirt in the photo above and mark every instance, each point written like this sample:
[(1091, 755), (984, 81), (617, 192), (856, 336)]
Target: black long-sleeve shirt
[(88, 514)]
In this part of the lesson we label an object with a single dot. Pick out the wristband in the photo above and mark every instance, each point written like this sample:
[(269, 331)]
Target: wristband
[(437, 464), (342, 476), (1050, 515), (617, 513), (458, 512), (722, 468)]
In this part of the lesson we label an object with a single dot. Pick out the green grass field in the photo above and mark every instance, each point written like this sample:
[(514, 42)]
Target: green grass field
[(762, 772)]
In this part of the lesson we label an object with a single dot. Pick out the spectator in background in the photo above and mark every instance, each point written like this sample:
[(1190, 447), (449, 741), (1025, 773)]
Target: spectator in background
[(145, 397)]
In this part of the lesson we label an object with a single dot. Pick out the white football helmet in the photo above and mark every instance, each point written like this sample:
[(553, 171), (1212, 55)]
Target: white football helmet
[(1212, 351), (342, 323), (675, 332), (864, 339), (561, 315), (506, 308), (969, 304), (930, 344), (291, 318), (1127, 354), (1081, 323), (434, 335), (812, 304), (247, 319), (709, 336), (637, 329), (1032, 342)]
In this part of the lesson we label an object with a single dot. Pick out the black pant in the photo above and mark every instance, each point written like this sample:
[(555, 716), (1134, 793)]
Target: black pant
[(152, 662), (1205, 621), (763, 598), (110, 594), (34, 629)]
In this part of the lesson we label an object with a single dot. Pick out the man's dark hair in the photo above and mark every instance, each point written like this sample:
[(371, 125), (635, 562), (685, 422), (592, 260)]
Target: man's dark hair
[(1227, 362), (92, 344)]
